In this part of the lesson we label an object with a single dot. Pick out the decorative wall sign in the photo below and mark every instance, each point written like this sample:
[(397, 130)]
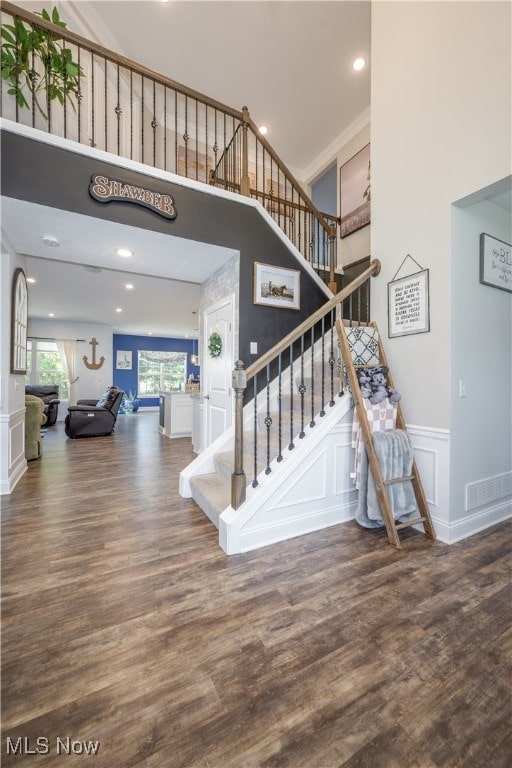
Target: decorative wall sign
[(124, 359), (94, 366), (276, 287), (105, 190), (355, 193), (495, 262), (19, 319), (408, 303)]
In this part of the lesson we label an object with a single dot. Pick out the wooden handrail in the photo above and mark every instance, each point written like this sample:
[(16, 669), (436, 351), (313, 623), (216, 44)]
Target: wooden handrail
[(265, 359), (241, 377), (291, 178), (66, 34)]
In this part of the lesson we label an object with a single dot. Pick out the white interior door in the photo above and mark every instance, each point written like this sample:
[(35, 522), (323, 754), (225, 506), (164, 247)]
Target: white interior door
[(218, 394)]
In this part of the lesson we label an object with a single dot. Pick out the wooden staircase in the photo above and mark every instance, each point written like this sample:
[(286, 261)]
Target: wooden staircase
[(381, 484), (278, 429)]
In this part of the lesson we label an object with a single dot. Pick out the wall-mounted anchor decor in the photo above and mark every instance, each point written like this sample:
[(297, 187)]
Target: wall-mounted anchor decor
[(94, 365)]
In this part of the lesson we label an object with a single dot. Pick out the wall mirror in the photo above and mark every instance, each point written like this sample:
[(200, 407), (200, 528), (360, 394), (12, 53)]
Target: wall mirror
[(19, 319)]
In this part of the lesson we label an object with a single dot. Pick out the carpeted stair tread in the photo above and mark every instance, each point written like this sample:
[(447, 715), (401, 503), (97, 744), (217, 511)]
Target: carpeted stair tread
[(212, 493)]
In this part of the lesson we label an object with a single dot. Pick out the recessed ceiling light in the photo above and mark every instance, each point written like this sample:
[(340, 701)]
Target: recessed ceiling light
[(359, 64), (118, 309), (263, 130), (129, 287), (124, 252), (51, 314), (150, 333), (31, 279), (51, 241)]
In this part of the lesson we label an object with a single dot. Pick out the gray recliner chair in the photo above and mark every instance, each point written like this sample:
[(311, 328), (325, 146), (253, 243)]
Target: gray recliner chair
[(49, 394), (94, 418)]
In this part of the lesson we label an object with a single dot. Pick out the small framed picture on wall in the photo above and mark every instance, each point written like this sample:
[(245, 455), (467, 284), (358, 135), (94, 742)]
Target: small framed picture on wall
[(124, 360), (276, 287)]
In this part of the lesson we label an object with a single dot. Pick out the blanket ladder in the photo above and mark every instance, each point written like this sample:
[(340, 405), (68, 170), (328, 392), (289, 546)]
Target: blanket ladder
[(392, 527)]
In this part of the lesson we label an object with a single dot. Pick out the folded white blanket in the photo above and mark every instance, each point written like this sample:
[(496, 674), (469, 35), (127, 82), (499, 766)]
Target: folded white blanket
[(395, 455)]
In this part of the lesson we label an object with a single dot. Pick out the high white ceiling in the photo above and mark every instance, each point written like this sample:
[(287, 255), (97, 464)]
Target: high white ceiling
[(288, 62)]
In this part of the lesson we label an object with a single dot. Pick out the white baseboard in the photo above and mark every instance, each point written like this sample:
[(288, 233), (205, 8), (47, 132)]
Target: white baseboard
[(453, 532)]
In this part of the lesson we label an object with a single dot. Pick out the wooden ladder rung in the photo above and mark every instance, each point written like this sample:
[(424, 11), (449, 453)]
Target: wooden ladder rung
[(411, 522), (399, 479)]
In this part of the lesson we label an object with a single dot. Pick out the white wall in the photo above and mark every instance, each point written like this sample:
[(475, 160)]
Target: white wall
[(12, 387), (481, 423), (441, 129), (91, 383)]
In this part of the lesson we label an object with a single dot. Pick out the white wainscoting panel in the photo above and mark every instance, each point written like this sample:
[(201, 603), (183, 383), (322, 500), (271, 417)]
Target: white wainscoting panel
[(432, 455), (12, 448), (311, 490)]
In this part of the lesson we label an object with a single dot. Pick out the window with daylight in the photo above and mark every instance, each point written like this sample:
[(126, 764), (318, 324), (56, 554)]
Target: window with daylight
[(45, 366), (161, 371)]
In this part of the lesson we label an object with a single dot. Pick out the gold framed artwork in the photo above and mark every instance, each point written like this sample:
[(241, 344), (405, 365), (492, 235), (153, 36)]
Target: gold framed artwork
[(19, 320), (276, 286)]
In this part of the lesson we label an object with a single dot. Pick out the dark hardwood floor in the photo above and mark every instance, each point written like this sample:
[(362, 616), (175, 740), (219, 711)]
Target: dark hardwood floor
[(124, 623)]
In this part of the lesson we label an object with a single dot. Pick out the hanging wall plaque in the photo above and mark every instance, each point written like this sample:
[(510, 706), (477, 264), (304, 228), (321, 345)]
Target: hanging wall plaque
[(408, 303), (495, 262)]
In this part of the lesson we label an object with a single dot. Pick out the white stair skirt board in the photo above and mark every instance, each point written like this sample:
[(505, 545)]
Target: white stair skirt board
[(310, 490)]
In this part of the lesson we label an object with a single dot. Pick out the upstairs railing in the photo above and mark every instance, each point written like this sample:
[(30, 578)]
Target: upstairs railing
[(251, 167), (94, 96), (291, 386)]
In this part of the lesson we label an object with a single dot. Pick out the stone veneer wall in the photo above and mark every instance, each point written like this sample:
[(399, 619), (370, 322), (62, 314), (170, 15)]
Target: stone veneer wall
[(223, 282)]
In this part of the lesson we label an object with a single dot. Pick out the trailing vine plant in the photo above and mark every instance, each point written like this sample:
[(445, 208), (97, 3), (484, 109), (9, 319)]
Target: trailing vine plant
[(36, 61)]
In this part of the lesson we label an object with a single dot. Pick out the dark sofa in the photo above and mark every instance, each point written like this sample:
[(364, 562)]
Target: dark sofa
[(49, 394), (92, 418)]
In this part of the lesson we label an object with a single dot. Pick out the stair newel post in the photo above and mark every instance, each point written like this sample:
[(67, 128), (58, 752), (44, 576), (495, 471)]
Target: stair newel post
[(245, 186), (238, 480), (332, 259)]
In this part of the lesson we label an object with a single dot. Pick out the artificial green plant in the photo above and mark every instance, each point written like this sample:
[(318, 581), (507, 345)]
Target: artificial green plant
[(35, 61)]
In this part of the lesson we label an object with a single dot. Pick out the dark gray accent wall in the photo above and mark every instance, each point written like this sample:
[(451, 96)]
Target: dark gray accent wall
[(55, 177)]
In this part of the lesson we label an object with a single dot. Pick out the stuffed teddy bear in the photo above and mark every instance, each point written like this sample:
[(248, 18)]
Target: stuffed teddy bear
[(378, 384), (374, 385), (393, 395), (364, 379)]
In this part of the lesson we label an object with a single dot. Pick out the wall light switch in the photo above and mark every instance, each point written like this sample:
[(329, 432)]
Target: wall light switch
[(463, 388), (254, 347)]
